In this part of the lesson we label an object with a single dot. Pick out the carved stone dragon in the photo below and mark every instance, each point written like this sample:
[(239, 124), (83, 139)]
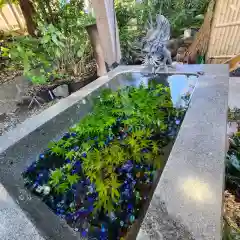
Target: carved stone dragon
[(154, 45)]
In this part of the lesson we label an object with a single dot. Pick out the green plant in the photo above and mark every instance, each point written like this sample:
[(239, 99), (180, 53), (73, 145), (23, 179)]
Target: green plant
[(36, 55), (139, 113), (61, 47)]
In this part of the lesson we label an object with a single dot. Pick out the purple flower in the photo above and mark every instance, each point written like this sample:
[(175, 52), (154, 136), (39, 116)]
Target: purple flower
[(84, 233), (145, 150), (177, 121), (128, 166), (129, 176)]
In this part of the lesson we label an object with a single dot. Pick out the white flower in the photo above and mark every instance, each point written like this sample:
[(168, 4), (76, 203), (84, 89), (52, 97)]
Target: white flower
[(39, 189), (46, 190)]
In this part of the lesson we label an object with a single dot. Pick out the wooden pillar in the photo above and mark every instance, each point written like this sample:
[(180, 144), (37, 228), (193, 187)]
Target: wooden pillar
[(107, 29), (97, 49)]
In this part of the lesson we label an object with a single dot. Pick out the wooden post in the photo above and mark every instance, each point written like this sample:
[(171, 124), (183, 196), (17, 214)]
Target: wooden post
[(97, 49), (108, 30)]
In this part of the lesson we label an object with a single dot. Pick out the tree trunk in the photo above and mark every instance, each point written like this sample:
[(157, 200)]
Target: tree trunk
[(28, 12)]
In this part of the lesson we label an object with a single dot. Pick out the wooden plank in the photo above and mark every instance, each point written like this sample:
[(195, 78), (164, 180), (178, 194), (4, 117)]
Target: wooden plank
[(227, 24)]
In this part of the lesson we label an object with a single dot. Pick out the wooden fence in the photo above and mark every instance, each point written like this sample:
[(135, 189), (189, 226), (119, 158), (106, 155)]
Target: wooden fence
[(11, 18), (225, 32)]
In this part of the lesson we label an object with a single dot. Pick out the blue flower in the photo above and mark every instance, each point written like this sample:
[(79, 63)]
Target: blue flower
[(41, 156), (130, 207), (87, 181), (73, 134), (67, 160), (31, 167), (84, 155), (39, 176), (129, 176), (103, 228), (68, 217), (36, 184), (91, 188), (76, 148), (90, 208), (67, 135), (90, 199), (77, 164), (128, 166)]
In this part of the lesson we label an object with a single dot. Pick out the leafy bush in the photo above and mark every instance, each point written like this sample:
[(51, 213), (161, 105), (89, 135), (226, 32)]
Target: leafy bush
[(61, 47)]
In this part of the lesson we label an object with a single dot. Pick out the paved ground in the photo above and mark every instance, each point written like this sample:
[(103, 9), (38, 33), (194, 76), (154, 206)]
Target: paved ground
[(11, 113)]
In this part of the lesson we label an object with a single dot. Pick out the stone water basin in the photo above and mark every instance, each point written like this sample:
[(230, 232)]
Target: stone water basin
[(26, 147)]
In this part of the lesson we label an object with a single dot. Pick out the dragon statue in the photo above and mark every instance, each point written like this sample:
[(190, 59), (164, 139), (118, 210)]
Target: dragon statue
[(154, 45)]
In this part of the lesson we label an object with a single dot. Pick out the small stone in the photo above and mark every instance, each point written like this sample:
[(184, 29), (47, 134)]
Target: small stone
[(61, 91)]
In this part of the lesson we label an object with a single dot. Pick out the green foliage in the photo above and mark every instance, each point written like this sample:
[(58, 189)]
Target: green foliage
[(138, 112), (230, 232), (61, 48), (133, 17), (56, 177)]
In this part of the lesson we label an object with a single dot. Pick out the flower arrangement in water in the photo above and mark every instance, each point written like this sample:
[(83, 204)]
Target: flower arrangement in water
[(98, 175)]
